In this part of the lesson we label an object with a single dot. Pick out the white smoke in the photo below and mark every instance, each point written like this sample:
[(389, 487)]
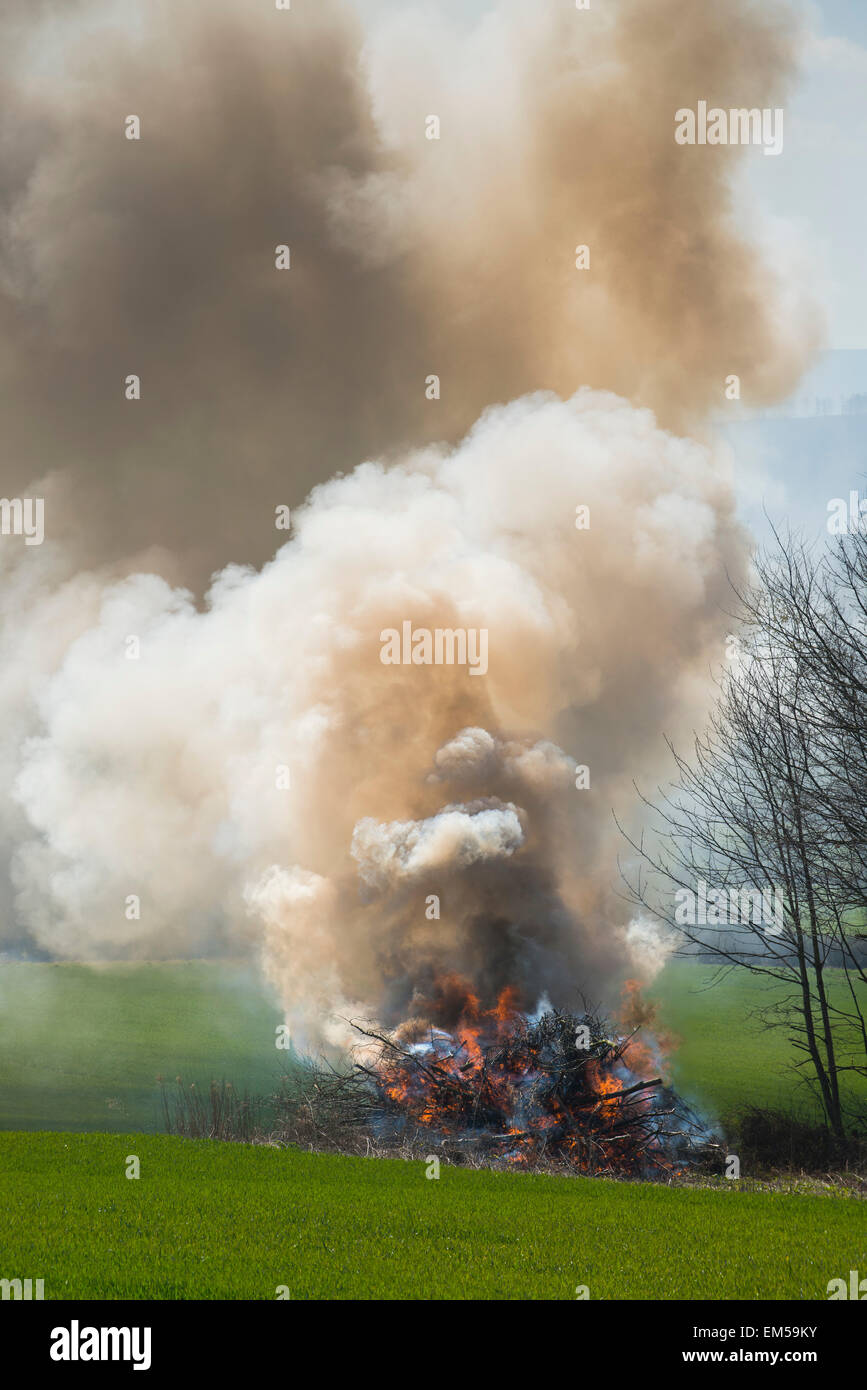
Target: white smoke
[(165, 776), (455, 837)]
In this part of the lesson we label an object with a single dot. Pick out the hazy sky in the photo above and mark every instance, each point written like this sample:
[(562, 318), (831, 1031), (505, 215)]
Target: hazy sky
[(819, 180)]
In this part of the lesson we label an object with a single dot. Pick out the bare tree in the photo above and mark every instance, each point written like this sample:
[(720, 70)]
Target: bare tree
[(757, 853), (816, 612)]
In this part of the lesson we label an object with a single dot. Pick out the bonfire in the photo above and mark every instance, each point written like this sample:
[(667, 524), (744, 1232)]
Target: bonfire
[(553, 1089)]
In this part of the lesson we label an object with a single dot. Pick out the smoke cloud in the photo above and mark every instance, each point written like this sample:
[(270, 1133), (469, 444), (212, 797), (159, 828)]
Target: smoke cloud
[(259, 751), (257, 777), (409, 257)]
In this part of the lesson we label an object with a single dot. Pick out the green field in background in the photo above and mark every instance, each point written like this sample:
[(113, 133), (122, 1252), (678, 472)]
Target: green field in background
[(210, 1220), (81, 1046), (725, 1059)]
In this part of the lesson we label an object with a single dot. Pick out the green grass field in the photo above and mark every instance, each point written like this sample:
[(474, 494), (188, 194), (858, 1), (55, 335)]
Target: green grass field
[(209, 1220), (725, 1059), (81, 1047)]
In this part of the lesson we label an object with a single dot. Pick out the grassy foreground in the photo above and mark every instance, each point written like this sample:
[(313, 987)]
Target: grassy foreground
[(208, 1220)]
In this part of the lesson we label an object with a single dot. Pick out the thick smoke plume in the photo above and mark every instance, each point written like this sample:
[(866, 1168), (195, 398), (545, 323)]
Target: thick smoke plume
[(165, 777), (410, 256)]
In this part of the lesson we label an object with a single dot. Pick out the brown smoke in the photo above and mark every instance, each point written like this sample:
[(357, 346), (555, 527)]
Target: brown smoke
[(410, 256), (164, 777)]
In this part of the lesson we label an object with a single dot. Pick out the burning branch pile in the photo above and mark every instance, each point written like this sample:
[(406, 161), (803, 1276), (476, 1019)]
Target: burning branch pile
[(556, 1090)]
